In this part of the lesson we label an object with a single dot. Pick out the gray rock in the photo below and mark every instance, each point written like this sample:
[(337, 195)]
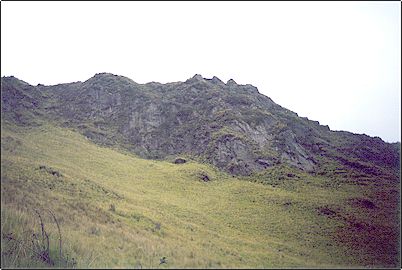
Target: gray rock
[(231, 126)]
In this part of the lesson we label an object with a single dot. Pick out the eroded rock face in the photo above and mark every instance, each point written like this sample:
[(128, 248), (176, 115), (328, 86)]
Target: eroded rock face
[(233, 154), (232, 126)]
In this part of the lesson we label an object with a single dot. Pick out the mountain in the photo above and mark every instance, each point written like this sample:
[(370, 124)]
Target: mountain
[(228, 125), (109, 173)]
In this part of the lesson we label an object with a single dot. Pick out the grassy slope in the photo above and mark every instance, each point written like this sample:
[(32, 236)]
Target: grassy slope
[(163, 209)]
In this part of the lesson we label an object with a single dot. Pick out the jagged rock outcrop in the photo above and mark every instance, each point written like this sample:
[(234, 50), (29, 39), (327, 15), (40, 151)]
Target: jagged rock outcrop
[(231, 126)]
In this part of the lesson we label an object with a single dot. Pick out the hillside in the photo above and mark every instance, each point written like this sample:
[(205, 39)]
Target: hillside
[(261, 187), (231, 126), (165, 209)]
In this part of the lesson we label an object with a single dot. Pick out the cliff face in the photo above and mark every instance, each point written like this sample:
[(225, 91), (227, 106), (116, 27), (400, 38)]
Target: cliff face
[(231, 126)]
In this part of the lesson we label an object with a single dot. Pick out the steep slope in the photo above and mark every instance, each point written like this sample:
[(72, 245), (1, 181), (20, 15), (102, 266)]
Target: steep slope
[(231, 126), (20, 101)]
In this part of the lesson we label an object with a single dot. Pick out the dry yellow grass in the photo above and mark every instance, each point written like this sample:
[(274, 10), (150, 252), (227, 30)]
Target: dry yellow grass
[(117, 210)]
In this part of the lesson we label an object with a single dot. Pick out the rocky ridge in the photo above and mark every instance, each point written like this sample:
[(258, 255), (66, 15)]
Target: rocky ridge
[(231, 126)]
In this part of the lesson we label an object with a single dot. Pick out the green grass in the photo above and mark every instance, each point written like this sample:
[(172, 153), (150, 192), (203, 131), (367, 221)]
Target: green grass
[(118, 210)]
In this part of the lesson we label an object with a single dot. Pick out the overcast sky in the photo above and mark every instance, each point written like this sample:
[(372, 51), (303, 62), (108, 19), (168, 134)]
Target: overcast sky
[(335, 62)]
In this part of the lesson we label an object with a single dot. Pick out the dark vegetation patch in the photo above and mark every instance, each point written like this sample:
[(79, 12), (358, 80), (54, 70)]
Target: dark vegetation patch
[(378, 243), (364, 167), (204, 177), (263, 162), (10, 144), (326, 211), (287, 205), (179, 161), (363, 203), (50, 170)]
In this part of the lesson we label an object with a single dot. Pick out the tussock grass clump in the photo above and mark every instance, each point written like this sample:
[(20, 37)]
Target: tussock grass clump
[(27, 240)]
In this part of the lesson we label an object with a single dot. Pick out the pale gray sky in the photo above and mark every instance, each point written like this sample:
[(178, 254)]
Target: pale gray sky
[(335, 62)]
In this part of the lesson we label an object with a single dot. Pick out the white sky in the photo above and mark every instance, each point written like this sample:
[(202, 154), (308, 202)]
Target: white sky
[(335, 62)]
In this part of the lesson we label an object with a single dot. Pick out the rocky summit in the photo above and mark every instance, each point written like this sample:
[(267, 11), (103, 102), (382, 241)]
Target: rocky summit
[(231, 126)]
